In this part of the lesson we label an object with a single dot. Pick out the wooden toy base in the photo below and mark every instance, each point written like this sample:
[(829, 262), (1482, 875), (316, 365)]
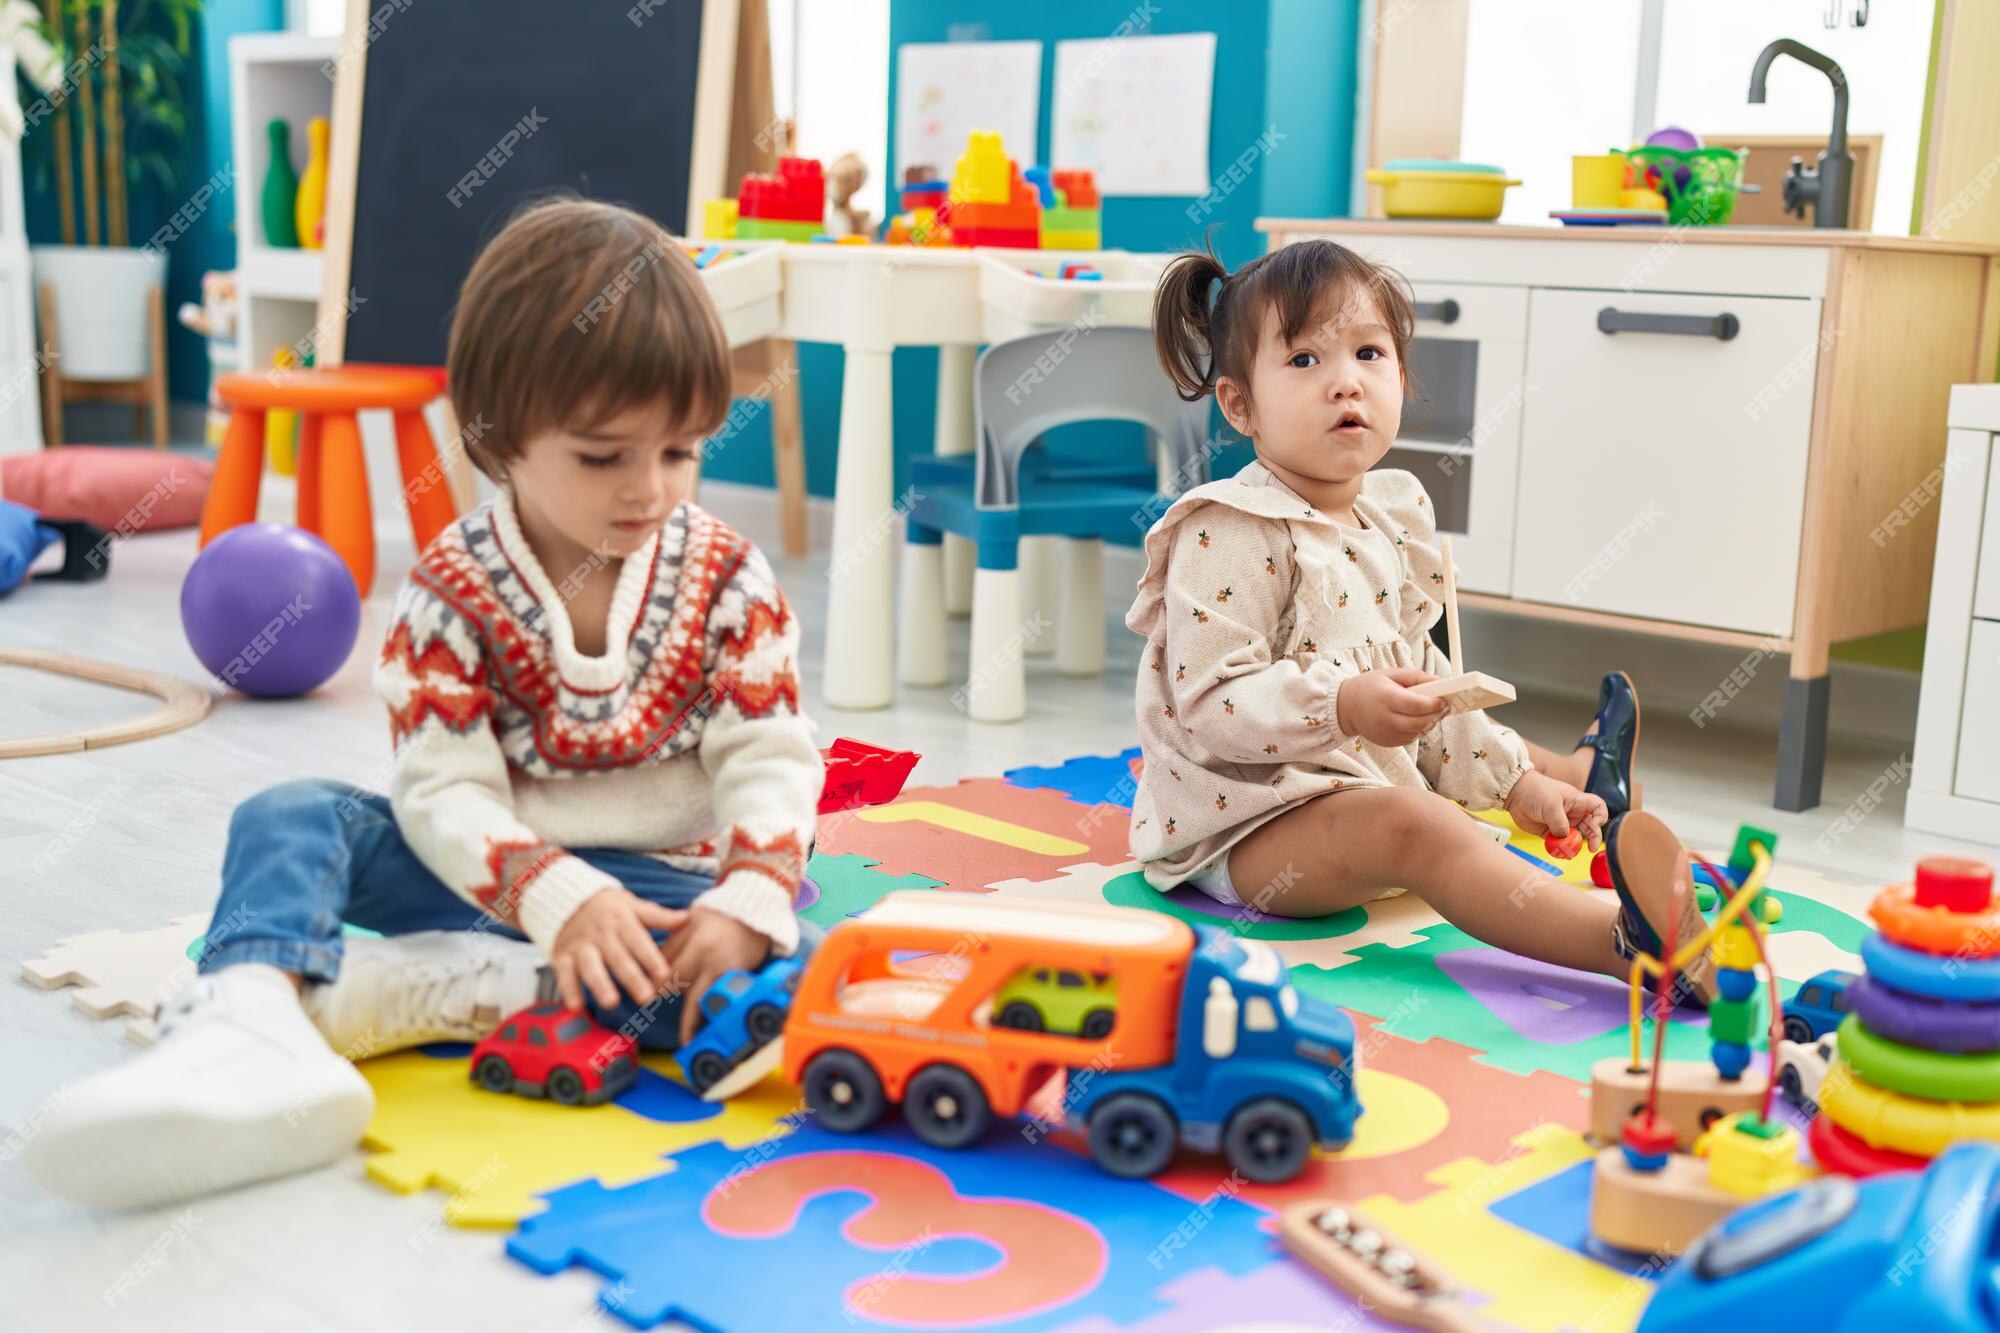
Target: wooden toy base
[(1692, 1096), (1427, 1299), (1659, 1212), (1467, 691)]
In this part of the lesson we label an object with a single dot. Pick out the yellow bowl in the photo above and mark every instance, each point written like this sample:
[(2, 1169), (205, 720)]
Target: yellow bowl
[(1441, 194)]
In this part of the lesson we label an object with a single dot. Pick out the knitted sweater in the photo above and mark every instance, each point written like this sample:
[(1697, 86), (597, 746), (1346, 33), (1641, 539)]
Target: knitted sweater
[(1255, 607), (683, 740)]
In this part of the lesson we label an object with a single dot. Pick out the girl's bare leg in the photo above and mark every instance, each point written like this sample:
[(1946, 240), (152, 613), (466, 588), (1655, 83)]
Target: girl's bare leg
[(1340, 850)]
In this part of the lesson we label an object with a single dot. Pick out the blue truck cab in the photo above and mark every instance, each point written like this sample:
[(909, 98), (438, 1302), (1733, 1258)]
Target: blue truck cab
[(1261, 1074)]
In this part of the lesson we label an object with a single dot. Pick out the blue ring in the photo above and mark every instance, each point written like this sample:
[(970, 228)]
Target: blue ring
[(1928, 974)]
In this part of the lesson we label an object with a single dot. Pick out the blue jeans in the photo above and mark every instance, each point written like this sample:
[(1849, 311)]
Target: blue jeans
[(305, 856)]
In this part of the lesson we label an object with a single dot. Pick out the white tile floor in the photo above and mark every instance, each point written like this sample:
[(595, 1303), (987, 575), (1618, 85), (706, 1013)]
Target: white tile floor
[(132, 836)]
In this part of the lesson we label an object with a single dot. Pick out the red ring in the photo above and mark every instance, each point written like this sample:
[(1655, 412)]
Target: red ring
[(1843, 1154)]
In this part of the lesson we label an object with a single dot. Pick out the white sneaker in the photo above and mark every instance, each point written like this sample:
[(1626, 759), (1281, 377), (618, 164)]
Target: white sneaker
[(238, 1088), (433, 985)]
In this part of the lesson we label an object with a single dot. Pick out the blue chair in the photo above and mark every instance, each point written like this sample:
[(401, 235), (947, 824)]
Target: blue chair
[(1007, 491)]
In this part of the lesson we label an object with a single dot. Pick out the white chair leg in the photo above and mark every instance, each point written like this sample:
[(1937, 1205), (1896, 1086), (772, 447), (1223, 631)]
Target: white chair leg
[(954, 436), (1080, 623), (997, 689), (1040, 559), (923, 655)]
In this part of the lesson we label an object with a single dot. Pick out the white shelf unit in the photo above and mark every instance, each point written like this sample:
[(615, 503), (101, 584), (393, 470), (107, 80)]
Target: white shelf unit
[(20, 379)]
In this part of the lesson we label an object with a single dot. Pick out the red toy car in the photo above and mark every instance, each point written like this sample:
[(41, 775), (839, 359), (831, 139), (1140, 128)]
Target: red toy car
[(547, 1050)]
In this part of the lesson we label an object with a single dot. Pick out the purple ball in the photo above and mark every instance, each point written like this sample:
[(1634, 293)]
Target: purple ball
[(1673, 136), (270, 609)]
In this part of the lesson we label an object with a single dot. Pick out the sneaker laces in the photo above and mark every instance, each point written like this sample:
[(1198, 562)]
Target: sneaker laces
[(195, 995), (461, 997)]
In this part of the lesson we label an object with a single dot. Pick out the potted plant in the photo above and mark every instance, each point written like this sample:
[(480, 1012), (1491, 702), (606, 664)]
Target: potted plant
[(112, 115)]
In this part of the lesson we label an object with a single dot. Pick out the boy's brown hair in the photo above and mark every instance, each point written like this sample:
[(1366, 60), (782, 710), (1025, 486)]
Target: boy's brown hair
[(576, 312)]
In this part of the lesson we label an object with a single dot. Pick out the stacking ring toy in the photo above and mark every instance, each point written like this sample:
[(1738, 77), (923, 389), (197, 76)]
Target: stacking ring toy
[(1932, 1075), (1928, 974), (1916, 1021), (1884, 1119), (1936, 930), (1840, 1152)]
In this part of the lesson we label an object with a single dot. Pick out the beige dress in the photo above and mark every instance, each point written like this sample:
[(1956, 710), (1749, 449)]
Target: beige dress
[(1255, 607)]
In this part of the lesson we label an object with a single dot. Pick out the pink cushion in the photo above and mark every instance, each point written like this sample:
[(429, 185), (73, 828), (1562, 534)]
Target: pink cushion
[(120, 490)]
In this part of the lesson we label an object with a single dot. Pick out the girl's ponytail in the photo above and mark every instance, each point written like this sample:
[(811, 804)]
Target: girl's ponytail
[(1183, 323)]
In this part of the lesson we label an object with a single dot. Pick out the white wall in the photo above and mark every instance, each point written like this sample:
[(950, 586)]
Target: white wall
[(1546, 79), (838, 50)]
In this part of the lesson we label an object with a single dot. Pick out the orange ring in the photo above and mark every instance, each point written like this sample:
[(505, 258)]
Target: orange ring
[(1935, 930)]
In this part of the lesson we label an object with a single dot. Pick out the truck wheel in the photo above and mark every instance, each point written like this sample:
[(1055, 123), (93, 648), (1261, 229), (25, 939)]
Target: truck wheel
[(564, 1086), (843, 1090), (1798, 1030), (1132, 1135), (946, 1107), (765, 1023), (1097, 1024), (707, 1070), (1268, 1140), (1020, 1015), (494, 1075)]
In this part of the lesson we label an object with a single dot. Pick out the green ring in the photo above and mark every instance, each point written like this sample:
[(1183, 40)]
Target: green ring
[(1933, 1075)]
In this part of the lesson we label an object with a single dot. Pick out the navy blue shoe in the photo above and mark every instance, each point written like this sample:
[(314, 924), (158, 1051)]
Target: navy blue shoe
[(1616, 737), (1649, 872)]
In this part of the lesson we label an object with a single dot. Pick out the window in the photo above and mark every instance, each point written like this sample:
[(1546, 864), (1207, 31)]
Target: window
[(1811, 995), (714, 1002), (1826, 1050), (1042, 975), (1069, 980), (1839, 1001), (1288, 1000), (570, 1029), (1258, 1016), (1218, 1021), (537, 1037), (512, 1032)]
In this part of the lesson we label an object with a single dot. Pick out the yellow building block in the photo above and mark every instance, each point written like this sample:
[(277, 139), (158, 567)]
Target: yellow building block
[(1535, 1284), (718, 220), (1734, 948), (1071, 240), (492, 1153), (981, 175)]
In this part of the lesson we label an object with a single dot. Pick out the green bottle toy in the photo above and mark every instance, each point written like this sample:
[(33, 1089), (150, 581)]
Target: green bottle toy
[(281, 188)]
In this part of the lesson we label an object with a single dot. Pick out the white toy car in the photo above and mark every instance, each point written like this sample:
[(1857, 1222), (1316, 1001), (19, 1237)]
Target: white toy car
[(1802, 1067)]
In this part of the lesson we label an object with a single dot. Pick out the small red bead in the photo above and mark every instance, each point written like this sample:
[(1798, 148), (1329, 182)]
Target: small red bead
[(1600, 870), (1563, 848)]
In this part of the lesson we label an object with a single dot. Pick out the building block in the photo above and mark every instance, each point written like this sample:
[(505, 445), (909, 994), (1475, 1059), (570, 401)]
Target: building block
[(718, 219), (982, 173), (1733, 947), (1045, 190), (775, 229), (1078, 186), (889, 1233), (494, 1155), (1070, 239), (1740, 859), (795, 193), (1735, 1020), (1015, 238)]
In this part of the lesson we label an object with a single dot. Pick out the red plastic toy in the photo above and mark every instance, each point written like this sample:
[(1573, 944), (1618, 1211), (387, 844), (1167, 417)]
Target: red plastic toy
[(1600, 870), (859, 774), (547, 1050), (1563, 848), (797, 193), (1955, 883)]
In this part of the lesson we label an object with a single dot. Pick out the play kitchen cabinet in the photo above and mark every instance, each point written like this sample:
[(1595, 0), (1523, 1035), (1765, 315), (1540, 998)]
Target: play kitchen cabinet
[(1729, 435)]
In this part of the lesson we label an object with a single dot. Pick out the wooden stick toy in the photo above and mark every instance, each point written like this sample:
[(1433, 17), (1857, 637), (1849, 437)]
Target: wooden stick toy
[(1364, 1261), (1465, 690), (183, 703)]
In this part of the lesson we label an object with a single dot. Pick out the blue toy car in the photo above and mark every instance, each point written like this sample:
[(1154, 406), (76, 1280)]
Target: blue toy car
[(1897, 1251), (1818, 1007), (741, 1014)]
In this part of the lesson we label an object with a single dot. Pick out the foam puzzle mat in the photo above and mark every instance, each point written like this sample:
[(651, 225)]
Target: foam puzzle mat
[(750, 1216)]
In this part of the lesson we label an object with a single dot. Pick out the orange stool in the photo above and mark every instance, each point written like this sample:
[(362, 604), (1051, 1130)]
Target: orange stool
[(332, 476)]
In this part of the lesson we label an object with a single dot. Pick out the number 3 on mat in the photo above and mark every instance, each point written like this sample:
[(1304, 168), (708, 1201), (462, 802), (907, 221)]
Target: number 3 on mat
[(1049, 1258)]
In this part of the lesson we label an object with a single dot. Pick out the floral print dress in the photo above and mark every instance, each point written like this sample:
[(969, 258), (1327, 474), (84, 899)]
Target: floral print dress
[(1255, 607)]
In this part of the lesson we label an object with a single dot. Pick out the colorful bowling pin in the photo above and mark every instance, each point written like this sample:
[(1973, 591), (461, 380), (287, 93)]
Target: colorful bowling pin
[(281, 189), (311, 207)]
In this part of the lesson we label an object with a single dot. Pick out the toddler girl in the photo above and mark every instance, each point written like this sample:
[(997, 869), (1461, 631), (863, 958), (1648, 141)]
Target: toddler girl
[(1287, 610)]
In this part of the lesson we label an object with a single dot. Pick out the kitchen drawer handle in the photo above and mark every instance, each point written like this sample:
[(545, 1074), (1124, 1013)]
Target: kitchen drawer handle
[(1721, 327), (1443, 312)]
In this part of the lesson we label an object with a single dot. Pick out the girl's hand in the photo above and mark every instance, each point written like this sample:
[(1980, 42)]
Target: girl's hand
[(1378, 706), (703, 946), (1549, 807), (610, 937)]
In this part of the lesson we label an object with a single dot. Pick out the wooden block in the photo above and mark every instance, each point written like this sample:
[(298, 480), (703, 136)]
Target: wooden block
[(119, 973), (1655, 1212), (1692, 1095), (1467, 691)]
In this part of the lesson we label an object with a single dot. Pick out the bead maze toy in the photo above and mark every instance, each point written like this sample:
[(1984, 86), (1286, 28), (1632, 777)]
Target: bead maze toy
[(1650, 1192), (1210, 1045), (1918, 1065), (1463, 690), (1367, 1263)]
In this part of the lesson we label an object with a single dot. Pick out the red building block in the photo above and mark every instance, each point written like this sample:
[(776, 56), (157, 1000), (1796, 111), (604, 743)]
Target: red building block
[(1079, 187), (797, 193)]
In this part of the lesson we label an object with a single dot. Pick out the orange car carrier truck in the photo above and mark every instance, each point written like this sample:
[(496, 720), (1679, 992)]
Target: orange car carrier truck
[(1210, 1045)]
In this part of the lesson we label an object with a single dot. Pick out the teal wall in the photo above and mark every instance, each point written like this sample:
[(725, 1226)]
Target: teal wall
[(1288, 63)]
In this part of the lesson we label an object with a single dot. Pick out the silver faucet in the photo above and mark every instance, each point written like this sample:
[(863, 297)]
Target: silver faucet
[(1824, 189)]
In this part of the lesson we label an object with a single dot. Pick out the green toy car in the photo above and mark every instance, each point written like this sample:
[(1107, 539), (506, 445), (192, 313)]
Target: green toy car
[(1048, 999)]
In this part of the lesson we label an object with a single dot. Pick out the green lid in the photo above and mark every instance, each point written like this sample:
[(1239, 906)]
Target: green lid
[(1438, 164)]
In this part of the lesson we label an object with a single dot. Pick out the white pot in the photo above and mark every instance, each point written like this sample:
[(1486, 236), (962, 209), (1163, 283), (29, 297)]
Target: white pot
[(102, 331)]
